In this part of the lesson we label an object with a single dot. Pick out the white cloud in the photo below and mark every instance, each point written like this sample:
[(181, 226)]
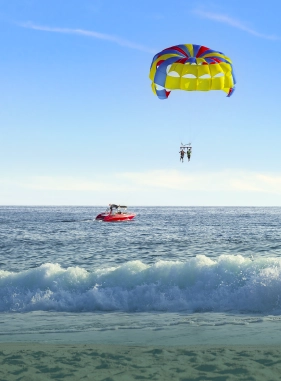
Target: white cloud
[(208, 181), (159, 187), (56, 183), (228, 180), (88, 33), (234, 23), (177, 180), (258, 182)]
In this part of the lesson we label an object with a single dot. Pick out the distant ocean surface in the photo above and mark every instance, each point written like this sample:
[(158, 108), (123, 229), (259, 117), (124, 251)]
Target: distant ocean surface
[(65, 276)]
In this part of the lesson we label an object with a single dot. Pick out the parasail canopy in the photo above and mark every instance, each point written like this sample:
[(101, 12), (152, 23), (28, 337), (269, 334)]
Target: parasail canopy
[(191, 67)]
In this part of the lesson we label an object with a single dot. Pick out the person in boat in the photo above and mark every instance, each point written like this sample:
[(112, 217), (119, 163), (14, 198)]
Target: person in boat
[(181, 155), (188, 153)]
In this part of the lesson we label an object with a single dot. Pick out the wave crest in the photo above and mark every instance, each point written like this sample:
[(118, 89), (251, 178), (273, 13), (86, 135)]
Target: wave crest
[(228, 283)]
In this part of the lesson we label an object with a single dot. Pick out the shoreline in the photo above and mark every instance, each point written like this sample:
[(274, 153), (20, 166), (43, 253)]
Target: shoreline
[(43, 361)]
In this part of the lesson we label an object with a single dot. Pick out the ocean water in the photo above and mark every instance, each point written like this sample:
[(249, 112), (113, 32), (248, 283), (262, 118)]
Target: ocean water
[(176, 275)]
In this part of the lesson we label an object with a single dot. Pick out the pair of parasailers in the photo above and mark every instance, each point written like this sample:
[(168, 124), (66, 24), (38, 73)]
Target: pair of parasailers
[(188, 154)]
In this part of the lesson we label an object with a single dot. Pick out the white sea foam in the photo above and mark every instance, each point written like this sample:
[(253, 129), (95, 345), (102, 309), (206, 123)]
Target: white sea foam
[(227, 283)]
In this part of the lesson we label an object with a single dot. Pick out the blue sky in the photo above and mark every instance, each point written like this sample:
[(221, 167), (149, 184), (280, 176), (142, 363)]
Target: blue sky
[(79, 124)]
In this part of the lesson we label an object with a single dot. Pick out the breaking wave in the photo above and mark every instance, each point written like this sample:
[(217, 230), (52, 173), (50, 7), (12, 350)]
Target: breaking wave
[(228, 283)]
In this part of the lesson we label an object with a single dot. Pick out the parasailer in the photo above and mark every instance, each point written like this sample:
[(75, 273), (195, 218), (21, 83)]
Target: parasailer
[(191, 67), (181, 155)]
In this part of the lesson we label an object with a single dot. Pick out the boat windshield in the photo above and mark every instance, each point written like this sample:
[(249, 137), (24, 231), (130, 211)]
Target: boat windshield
[(116, 209)]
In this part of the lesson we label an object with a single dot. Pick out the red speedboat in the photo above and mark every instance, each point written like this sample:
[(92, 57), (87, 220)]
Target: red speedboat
[(115, 213)]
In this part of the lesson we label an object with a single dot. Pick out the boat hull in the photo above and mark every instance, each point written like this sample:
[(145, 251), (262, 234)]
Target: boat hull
[(115, 217), (118, 217)]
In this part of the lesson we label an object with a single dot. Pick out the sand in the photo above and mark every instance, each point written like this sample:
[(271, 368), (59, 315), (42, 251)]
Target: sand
[(34, 361)]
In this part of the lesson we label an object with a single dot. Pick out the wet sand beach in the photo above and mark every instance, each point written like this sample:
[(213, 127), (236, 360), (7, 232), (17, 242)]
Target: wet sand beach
[(34, 361)]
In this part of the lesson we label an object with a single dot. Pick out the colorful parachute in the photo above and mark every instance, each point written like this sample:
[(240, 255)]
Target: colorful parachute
[(191, 67)]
